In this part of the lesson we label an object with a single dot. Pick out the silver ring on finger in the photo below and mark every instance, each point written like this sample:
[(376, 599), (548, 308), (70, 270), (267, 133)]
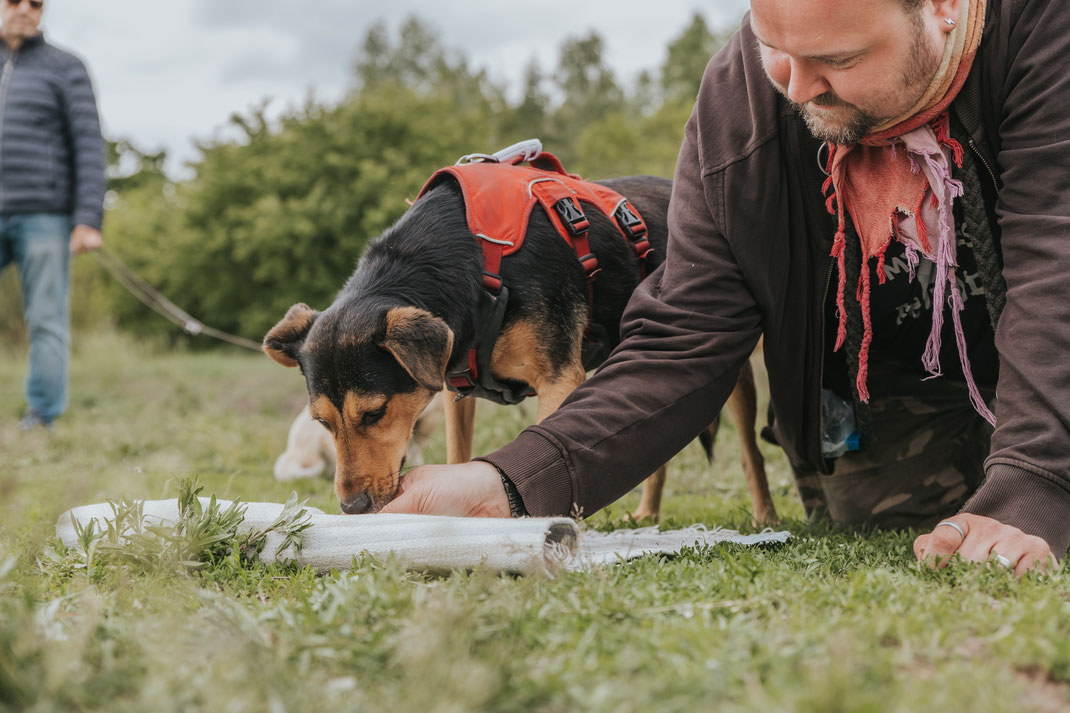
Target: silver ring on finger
[(953, 524), (1002, 560)]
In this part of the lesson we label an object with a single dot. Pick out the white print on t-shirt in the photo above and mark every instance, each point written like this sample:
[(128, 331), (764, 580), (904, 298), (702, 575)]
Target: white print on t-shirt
[(969, 284)]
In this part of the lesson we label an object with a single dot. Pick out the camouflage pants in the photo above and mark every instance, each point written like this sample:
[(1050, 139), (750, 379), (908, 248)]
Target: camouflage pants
[(927, 457)]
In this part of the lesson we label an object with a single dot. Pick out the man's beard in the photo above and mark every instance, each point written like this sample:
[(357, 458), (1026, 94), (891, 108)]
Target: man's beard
[(924, 61), (850, 131)]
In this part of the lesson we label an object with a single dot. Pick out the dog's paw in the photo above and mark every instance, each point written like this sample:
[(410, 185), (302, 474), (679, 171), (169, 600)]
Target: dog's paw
[(766, 518), (645, 514)]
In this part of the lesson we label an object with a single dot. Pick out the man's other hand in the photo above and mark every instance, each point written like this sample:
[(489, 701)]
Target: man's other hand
[(983, 539), (84, 239), (467, 490)]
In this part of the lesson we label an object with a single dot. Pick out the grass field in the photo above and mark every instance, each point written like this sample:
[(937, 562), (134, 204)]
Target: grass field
[(831, 621)]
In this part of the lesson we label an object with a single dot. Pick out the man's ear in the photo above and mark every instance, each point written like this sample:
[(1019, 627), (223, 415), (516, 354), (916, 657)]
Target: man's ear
[(283, 342), (421, 342), (943, 10)]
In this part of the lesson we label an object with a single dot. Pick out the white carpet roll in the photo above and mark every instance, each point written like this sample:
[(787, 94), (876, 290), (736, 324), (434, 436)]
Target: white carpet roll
[(439, 544)]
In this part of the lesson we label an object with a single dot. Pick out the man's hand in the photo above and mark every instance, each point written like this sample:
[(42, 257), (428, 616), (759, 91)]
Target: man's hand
[(984, 538), (84, 238), (467, 490)]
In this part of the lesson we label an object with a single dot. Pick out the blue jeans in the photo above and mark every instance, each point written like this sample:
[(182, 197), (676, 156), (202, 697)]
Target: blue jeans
[(39, 243)]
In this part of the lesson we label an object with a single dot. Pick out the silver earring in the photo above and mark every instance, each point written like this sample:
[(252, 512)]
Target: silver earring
[(949, 21)]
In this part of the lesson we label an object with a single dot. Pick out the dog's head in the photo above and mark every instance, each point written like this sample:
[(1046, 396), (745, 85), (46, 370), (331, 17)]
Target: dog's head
[(370, 371)]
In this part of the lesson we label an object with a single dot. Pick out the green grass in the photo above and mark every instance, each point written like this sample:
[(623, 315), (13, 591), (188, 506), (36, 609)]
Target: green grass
[(831, 621)]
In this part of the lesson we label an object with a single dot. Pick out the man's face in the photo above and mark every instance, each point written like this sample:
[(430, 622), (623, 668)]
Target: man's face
[(20, 20), (850, 65)]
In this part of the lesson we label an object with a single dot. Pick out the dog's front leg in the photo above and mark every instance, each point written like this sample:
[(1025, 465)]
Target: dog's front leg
[(460, 416), (743, 403), (553, 393), (650, 504)]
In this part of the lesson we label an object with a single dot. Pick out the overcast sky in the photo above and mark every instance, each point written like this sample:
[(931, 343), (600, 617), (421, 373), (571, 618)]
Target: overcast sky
[(167, 71)]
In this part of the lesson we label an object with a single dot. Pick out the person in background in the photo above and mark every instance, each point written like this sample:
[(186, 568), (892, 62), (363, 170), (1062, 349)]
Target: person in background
[(52, 187)]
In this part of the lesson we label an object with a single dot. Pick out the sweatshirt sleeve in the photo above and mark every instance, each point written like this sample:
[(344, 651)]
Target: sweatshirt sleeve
[(1028, 471), (685, 335), (87, 144)]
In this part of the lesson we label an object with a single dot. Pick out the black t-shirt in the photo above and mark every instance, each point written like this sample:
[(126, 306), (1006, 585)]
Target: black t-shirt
[(901, 311)]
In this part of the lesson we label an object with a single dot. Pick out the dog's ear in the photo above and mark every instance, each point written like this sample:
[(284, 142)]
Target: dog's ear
[(284, 340), (421, 342)]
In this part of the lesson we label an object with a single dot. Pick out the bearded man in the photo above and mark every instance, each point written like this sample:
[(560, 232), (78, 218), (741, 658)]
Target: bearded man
[(880, 188)]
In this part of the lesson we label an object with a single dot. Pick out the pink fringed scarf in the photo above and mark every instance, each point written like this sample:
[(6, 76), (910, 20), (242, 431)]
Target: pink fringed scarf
[(896, 183)]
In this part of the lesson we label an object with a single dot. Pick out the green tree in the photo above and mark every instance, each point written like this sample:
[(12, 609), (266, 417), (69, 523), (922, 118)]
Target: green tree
[(529, 118), (587, 89), (128, 167), (646, 97), (419, 63), (687, 58)]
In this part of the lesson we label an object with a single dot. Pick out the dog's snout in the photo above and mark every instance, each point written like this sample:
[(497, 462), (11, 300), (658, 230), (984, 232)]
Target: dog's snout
[(357, 505)]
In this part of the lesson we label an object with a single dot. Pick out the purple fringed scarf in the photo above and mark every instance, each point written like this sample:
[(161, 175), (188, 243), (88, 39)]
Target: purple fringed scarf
[(932, 155)]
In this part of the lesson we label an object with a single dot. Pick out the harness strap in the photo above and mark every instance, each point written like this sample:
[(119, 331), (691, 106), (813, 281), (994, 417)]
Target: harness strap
[(492, 261), (559, 202), (459, 381), (476, 378)]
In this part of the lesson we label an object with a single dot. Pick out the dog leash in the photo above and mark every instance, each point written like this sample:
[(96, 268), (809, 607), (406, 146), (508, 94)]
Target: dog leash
[(154, 300)]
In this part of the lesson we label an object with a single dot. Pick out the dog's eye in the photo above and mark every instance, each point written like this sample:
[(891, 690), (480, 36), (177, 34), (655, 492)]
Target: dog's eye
[(323, 423), (370, 418)]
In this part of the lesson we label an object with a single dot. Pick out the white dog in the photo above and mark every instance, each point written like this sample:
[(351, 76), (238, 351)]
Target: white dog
[(310, 448)]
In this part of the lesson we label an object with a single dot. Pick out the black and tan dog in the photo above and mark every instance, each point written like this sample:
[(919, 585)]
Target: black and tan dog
[(410, 313)]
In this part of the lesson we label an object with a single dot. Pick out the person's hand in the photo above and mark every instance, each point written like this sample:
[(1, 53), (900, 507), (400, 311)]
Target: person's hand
[(84, 238), (981, 539), (467, 490)]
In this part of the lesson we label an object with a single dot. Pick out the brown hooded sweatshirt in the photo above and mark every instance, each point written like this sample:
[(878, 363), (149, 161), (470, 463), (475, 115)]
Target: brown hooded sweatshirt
[(748, 255)]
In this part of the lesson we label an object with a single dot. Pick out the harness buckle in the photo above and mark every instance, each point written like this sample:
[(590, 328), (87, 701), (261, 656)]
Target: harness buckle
[(629, 222), (571, 215)]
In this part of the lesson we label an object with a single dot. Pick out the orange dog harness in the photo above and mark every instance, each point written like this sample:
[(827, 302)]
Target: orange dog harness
[(500, 193)]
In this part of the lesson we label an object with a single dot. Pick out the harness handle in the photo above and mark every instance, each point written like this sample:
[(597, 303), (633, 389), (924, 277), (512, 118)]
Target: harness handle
[(520, 152)]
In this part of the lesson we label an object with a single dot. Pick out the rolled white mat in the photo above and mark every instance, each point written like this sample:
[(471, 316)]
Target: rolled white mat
[(421, 542), (530, 545)]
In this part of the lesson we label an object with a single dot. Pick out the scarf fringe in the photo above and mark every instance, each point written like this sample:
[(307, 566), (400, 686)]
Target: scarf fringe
[(942, 128), (946, 276), (976, 399), (839, 247), (913, 260), (922, 232), (862, 295)]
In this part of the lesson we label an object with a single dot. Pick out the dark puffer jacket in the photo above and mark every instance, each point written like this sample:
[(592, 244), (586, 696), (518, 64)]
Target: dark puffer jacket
[(51, 150)]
